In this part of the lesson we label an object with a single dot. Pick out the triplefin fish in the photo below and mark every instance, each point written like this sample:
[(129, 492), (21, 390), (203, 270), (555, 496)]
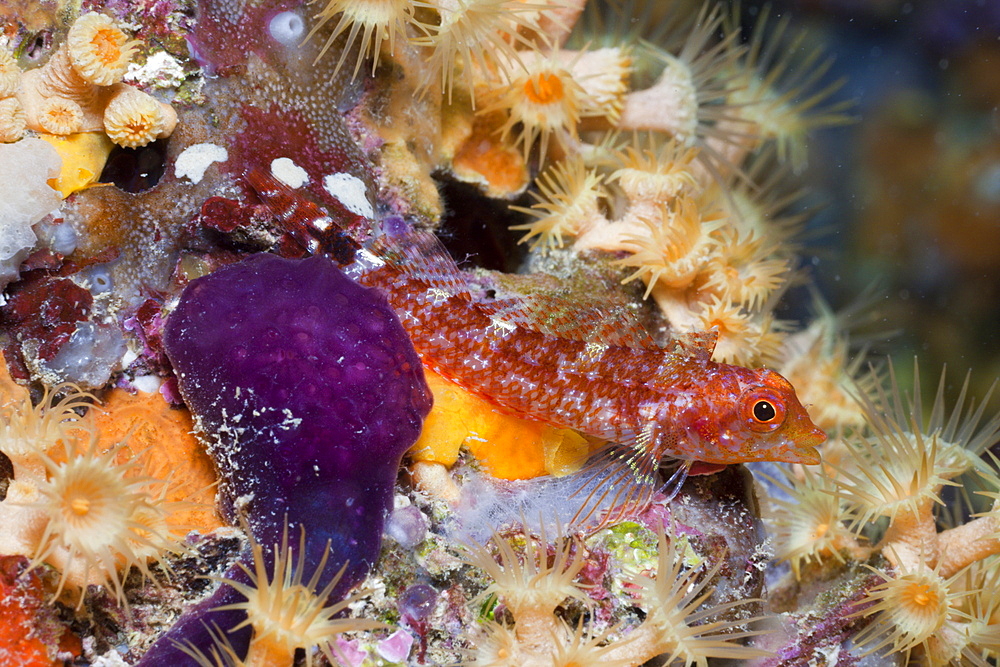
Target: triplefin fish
[(589, 368)]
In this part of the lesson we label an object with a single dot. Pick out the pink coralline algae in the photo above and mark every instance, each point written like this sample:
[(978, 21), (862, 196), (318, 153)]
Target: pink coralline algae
[(308, 392)]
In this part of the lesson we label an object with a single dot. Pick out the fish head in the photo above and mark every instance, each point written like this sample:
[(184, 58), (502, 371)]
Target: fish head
[(757, 417), (773, 424)]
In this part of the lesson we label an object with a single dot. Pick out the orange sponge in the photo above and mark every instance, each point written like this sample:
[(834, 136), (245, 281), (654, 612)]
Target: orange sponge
[(163, 437)]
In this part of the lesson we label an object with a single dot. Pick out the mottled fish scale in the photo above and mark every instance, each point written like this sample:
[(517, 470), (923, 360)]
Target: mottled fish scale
[(597, 389)]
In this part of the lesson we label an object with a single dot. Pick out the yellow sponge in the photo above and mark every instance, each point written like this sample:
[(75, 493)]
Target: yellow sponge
[(508, 447), (84, 155)]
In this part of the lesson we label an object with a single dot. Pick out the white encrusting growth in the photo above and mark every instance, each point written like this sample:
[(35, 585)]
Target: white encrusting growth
[(285, 170), (195, 160), (351, 192), (287, 28)]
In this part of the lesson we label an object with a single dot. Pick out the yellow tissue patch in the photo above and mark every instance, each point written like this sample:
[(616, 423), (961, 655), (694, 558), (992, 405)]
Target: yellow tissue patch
[(83, 156), (508, 447)]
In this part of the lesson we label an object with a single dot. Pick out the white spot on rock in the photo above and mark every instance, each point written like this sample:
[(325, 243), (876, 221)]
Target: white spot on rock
[(147, 384), (350, 190), (195, 160), (161, 70), (289, 173)]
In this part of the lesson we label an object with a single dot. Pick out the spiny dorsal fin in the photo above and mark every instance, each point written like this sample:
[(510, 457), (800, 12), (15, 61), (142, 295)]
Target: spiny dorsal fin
[(572, 320), (695, 343), (420, 255)]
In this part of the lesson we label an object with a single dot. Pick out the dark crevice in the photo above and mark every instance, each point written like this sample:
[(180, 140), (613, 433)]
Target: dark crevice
[(136, 169)]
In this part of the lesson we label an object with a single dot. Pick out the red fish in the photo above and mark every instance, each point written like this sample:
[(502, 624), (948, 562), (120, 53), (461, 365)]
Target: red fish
[(587, 368), (590, 370)]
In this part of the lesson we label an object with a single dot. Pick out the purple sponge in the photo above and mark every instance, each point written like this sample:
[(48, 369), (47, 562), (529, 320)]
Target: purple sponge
[(308, 392)]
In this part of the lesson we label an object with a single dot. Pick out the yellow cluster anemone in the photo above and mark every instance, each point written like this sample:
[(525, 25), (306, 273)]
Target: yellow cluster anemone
[(288, 611), (745, 270), (99, 520), (908, 609), (652, 171), (13, 122), (529, 584), (476, 37), (811, 523), (58, 115), (568, 204), (687, 101), (545, 102), (133, 118), (746, 337), (26, 428), (547, 98), (99, 50), (367, 23), (880, 500), (80, 90), (777, 91), (678, 622), (85, 509), (680, 240)]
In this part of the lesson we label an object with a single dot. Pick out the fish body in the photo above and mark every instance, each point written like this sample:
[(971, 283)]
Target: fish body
[(661, 402), (589, 370)]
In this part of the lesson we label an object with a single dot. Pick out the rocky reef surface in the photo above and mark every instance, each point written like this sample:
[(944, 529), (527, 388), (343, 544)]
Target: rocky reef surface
[(219, 447)]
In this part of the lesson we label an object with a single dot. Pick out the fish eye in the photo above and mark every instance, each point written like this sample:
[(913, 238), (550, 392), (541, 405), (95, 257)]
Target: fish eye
[(764, 412), (763, 409)]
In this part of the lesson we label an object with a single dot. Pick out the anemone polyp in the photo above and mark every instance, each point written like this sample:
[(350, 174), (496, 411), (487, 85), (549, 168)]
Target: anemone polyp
[(60, 116), (746, 270), (680, 241), (12, 120), (99, 518), (745, 338), (133, 118), (287, 611), (477, 36), (99, 50), (811, 524), (908, 609), (10, 74), (654, 171), (546, 102), (530, 585), (369, 23), (27, 429), (568, 203), (678, 621)]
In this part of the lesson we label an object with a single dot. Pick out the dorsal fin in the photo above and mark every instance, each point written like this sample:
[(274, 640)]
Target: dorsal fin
[(421, 255), (572, 320), (695, 343)]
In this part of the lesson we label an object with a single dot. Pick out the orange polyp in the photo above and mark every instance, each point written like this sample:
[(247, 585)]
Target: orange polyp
[(80, 505), (546, 88), (922, 595), (106, 47)]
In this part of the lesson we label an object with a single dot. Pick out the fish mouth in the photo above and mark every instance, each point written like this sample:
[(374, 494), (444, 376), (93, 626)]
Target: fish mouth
[(802, 447), (804, 454)]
